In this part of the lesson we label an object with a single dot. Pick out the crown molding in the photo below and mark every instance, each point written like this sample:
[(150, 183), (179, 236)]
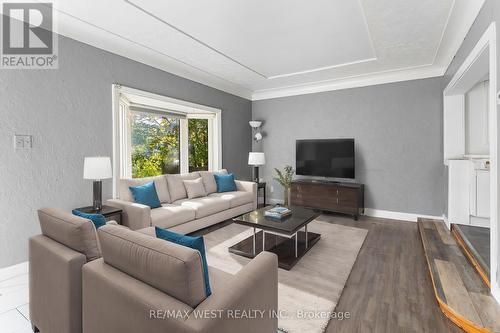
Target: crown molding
[(352, 82), (93, 35)]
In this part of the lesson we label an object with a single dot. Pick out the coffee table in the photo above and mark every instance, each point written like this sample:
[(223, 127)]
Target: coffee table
[(283, 237)]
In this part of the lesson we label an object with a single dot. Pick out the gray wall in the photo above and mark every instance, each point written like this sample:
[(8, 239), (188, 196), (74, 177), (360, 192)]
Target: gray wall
[(398, 133), (68, 111)]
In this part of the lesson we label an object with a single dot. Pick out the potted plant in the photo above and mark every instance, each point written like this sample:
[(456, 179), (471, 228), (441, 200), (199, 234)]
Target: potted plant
[(285, 178)]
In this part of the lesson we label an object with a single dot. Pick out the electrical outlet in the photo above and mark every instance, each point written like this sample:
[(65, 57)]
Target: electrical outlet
[(23, 141)]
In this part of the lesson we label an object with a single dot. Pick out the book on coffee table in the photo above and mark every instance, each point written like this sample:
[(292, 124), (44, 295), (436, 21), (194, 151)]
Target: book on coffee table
[(278, 212)]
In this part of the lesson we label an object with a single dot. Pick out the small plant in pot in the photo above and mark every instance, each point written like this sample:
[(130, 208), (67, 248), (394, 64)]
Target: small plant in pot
[(285, 177)]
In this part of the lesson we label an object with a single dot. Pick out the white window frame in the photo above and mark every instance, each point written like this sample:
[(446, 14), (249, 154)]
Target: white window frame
[(121, 167)]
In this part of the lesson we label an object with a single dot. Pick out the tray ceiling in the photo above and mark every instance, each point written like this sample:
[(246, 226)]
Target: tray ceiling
[(264, 49)]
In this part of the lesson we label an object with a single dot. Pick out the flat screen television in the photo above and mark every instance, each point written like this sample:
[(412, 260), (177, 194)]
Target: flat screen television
[(325, 158)]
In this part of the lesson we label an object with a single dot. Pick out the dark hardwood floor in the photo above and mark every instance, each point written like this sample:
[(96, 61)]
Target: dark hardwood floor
[(389, 288)]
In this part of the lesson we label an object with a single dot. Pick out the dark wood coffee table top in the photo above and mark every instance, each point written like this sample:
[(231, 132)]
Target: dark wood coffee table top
[(288, 225)]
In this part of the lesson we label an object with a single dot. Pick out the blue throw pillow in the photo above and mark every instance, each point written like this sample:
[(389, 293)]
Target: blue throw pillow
[(196, 243), (98, 219), (146, 195), (225, 183)]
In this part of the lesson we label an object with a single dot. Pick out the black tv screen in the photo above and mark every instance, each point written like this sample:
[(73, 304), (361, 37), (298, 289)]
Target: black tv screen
[(325, 158)]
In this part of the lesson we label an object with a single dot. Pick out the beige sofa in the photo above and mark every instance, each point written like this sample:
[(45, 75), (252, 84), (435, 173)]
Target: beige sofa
[(145, 284), (139, 273), (178, 213)]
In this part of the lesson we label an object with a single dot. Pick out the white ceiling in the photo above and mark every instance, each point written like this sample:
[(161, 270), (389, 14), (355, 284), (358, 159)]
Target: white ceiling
[(263, 49)]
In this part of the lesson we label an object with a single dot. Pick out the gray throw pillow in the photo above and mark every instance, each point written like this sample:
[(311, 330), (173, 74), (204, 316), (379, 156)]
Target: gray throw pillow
[(195, 188)]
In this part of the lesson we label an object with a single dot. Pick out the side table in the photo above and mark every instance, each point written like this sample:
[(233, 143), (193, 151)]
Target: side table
[(110, 213), (261, 186)]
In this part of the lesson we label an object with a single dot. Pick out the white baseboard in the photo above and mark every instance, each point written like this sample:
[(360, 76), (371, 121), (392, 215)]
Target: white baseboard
[(272, 201), (385, 214), (11, 271)]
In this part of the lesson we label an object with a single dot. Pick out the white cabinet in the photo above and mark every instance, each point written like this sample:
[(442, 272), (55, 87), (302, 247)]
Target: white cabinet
[(453, 127), (468, 193), (459, 181), (482, 193)]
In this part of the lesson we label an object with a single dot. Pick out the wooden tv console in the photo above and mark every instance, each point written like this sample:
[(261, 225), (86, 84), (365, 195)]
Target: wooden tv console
[(347, 198)]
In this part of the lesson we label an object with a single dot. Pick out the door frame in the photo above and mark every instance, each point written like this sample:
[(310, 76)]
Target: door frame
[(467, 75)]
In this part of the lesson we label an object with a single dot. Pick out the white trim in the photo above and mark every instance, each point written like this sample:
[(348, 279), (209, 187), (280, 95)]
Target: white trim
[(355, 81), (189, 106), (443, 33), (273, 201), (207, 112), (379, 213), (487, 43), (184, 146), (391, 215), (14, 270), (91, 34), (312, 70)]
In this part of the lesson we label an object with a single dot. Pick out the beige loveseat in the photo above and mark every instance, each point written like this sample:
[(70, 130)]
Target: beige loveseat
[(178, 213), (138, 279), (145, 284)]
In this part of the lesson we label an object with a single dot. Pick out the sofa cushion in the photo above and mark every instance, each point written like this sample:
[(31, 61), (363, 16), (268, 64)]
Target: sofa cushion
[(205, 206), (176, 186), (169, 215), (196, 243), (160, 185), (225, 183), (236, 198), (171, 268), (98, 219), (194, 188), (73, 231), (209, 180), (146, 195)]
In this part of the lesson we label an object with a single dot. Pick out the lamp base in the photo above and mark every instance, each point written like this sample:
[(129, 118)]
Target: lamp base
[(97, 200), (255, 175)]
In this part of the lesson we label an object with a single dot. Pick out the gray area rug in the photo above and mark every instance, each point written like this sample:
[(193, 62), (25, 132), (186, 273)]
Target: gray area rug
[(314, 285)]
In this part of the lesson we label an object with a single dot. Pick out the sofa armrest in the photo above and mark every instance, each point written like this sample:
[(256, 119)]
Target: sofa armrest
[(134, 215), (55, 285), (242, 185), (254, 290)]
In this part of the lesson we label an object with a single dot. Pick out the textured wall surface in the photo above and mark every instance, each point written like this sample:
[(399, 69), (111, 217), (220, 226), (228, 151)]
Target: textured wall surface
[(398, 133), (68, 112)]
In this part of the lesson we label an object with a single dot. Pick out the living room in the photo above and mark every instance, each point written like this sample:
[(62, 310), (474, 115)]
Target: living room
[(256, 167)]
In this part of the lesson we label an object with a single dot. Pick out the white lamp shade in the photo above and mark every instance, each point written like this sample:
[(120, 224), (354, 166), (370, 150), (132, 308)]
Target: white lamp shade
[(256, 159), (255, 123), (97, 168)]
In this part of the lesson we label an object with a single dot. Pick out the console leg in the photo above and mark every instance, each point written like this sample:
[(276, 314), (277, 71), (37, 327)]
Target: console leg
[(355, 217), (34, 328)]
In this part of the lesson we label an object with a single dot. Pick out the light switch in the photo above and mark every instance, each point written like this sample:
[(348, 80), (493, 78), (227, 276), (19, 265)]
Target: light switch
[(23, 141)]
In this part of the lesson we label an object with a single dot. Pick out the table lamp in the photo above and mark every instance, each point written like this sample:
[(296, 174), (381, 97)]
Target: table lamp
[(97, 169), (256, 159)]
